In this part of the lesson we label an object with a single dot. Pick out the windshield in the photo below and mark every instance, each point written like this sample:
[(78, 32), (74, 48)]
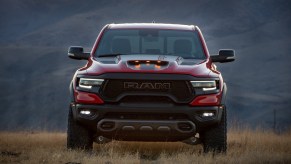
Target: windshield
[(150, 42)]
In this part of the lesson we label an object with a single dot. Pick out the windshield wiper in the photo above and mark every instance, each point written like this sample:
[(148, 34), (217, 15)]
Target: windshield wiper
[(110, 55)]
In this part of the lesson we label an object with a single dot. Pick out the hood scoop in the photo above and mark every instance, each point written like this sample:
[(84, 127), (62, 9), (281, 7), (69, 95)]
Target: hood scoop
[(147, 64)]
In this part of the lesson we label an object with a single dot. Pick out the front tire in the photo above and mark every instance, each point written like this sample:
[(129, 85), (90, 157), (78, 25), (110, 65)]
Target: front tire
[(78, 137), (215, 138)]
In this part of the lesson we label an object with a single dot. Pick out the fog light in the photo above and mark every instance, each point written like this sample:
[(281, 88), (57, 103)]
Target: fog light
[(208, 114), (85, 112)]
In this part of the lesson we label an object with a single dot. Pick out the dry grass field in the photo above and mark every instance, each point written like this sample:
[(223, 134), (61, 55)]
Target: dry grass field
[(244, 146)]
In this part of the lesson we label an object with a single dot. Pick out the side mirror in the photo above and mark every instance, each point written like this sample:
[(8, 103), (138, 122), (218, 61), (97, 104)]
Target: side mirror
[(224, 56), (78, 53)]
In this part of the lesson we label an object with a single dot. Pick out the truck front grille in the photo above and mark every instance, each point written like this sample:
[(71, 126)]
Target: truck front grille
[(178, 91)]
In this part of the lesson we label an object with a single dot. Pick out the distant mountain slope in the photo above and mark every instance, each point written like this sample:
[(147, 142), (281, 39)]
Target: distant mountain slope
[(35, 71)]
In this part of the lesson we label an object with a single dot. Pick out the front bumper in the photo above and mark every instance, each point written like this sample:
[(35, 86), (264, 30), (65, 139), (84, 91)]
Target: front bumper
[(146, 122)]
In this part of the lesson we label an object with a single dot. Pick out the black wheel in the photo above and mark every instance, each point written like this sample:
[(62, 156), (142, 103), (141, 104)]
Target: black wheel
[(78, 137), (215, 138)]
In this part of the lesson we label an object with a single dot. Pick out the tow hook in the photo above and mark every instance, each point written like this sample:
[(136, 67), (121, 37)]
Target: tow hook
[(192, 141), (102, 140)]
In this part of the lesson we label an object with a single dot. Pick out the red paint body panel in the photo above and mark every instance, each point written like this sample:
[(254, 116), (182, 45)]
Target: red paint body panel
[(87, 98), (207, 100)]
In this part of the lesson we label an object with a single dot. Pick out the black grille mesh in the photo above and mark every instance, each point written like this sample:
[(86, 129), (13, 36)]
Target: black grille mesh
[(147, 99), (180, 91)]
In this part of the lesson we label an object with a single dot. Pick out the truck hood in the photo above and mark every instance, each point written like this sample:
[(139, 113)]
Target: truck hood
[(147, 64)]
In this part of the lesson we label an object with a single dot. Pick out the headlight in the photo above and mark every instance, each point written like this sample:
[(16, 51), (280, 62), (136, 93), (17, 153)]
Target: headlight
[(89, 83), (205, 85)]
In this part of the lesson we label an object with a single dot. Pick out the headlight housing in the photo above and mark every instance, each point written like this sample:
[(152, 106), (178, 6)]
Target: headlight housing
[(87, 83), (205, 85)]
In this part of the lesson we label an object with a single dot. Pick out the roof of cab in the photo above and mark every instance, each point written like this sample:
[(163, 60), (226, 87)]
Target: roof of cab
[(151, 26)]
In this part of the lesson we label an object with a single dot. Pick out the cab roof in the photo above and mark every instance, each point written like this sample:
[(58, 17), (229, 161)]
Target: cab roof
[(151, 26)]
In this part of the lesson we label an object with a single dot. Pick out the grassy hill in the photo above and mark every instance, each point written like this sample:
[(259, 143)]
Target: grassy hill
[(244, 146)]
